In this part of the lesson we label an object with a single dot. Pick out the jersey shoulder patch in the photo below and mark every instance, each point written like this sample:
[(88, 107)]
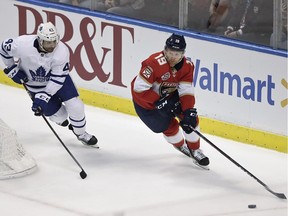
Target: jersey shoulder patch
[(147, 72)]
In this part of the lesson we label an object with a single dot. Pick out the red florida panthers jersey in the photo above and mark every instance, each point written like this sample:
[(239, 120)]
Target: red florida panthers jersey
[(156, 78)]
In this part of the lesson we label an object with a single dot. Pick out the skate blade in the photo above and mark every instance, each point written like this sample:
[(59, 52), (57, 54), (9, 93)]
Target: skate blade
[(92, 146), (197, 164)]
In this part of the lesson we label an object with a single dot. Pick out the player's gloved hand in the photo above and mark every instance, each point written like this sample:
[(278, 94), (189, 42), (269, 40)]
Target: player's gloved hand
[(40, 103), (170, 105), (189, 120), (17, 75), (161, 104)]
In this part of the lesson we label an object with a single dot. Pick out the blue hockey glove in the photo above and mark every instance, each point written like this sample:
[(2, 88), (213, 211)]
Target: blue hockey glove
[(17, 75), (40, 103), (189, 120)]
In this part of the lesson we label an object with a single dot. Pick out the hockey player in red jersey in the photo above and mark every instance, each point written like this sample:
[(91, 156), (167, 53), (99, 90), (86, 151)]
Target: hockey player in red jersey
[(163, 97)]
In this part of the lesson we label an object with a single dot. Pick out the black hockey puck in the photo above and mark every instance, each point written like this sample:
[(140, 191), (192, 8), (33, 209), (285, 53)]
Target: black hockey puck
[(252, 206)]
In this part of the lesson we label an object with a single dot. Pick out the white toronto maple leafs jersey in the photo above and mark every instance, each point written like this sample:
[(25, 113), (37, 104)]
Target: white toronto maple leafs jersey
[(45, 71)]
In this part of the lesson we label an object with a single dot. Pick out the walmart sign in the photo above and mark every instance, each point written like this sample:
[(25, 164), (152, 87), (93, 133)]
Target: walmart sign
[(213, 79)]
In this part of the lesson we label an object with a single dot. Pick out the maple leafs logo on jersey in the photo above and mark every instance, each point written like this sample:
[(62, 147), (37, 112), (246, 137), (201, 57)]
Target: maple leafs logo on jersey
[(147, 72), (40, 75)]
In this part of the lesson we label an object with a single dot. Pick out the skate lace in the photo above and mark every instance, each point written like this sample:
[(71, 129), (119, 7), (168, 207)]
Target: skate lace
[(198, 154), (85, 137), (185, 149)]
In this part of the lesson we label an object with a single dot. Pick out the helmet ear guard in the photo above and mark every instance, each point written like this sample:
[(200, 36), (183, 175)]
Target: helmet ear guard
[(176, 42)]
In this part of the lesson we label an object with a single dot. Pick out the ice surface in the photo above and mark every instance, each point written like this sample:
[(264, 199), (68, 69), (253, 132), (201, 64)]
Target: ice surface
[(134, 173)]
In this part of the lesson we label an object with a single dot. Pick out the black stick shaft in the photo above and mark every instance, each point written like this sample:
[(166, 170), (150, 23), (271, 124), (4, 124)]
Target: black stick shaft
[(82, 173), (279, 195), (45, 119)]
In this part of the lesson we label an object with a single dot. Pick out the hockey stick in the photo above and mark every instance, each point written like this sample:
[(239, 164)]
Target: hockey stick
[(83, 174), (279, 195)]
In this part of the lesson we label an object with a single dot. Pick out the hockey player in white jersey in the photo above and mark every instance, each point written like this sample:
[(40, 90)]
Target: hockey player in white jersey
[(42, 62)]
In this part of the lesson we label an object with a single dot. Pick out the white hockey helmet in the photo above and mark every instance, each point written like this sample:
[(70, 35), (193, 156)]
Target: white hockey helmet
[(47, 32)]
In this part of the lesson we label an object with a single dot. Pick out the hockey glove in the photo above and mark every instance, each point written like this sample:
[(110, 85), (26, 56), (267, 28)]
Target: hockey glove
[(40, 103), (161, 104), (17, 75), (164, 106), (170, 105), (189, 120)]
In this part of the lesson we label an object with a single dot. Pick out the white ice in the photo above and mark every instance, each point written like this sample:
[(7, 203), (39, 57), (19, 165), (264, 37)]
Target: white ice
[(135, 172)]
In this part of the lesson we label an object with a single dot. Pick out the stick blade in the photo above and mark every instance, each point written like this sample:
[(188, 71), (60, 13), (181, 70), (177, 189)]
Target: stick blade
[(83, 174), (280, 195)]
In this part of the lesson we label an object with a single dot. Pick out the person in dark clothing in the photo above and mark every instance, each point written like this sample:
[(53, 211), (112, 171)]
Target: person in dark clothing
[(252, 21)]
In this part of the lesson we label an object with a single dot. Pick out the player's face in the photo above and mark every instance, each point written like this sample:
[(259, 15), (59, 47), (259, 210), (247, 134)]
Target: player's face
[(173, 57), (49, 46)]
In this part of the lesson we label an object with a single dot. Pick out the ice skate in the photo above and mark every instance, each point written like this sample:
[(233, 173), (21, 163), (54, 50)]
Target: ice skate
[(184, 150), (199, 158), (64, 124), (86, 138)]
